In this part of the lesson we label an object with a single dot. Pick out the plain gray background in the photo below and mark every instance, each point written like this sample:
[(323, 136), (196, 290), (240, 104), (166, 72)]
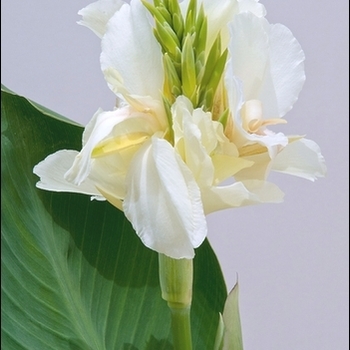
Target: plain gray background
[(291, 258)]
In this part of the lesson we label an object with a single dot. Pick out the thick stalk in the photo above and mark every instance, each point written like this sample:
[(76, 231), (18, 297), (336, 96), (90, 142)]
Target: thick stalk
[(181, 328), (176, 279)]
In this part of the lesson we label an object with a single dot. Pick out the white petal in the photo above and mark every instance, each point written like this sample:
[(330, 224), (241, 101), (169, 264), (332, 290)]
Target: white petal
[(101, 125), (227, 166), (97, 14), (218, 17), (252, 6), (287, 67), (259, 170), (301, 158), (130, 47), (108, 174), (163, 201), (191, 132), (115, 201), (51, 172), (272, 141), (269, 61), (235, 96), (90, 126), (249, 49), (240, 194), (202, 144), (143, 104)]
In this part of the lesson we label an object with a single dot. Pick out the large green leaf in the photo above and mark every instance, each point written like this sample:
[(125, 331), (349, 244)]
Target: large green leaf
[(74, 273)]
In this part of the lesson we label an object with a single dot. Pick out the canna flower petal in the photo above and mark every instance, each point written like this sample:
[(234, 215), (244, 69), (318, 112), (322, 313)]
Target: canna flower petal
[(252, 6), (130, 48), (269, 62), (163, 201), (203, 146), (96, 15), (239, 194), (190, 143), (98, 128), (301, 158), (244, 112), (51, 172), (261, 165), (105, 135)]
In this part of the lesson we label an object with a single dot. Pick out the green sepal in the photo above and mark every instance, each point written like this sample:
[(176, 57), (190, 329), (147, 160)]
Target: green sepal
[(190, 21), (201, 36), (172, 82), (170, 132), (165, 13), (218, 71), (178, 24), (210, 64), (188, 69), (154, 11), (174, 8), (167, 37), (208, 90), (157, 3)]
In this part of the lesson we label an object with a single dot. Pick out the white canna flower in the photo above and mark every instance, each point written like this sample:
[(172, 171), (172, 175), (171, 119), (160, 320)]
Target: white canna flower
[(193, 111)]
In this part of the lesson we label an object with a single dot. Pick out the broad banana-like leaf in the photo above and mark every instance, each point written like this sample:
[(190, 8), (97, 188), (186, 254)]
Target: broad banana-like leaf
[(74, 273)]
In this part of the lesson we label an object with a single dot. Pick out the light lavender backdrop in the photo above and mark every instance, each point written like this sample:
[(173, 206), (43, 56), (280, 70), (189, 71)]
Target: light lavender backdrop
[(291, 258)]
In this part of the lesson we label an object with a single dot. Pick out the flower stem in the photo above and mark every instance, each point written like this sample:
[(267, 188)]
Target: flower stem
[(176, 278), (181, 328)]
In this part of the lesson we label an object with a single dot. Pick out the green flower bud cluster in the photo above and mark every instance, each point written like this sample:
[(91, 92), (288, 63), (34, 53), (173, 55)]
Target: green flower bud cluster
[(190, 69)]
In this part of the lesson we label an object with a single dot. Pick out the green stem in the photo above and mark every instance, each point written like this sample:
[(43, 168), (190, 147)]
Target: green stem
[(176, 279), (181, 327)]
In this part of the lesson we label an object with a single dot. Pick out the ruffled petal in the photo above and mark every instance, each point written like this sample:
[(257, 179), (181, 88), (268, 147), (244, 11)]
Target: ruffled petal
[(227, 166), (218, 18), (97, 14), (286, 67), (269, 61), (240, 194), (51, 172), (301, 158), (190, 141), (143, 104), (252, 6), (100, 126), (259, 170), (202, 144), (273, 142), (130, 47), (249, 50), (163, 201), (110, 132)]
